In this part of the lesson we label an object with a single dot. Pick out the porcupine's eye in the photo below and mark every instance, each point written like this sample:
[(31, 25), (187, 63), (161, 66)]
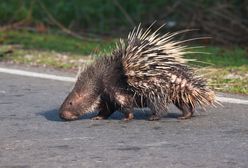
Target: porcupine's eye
[(69, 110)]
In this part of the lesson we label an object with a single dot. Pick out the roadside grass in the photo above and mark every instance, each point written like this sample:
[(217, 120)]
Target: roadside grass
[(227, 79), (221, 56), (65, 60), (53, 42), (225, 68)]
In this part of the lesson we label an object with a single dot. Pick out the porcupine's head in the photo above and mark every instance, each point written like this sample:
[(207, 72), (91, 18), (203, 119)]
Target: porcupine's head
[(84, 97)]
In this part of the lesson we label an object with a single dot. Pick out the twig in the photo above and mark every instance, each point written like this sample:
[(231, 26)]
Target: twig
[(6, 52), (62, 27), (129, 19), (21, 22), (13, 25)]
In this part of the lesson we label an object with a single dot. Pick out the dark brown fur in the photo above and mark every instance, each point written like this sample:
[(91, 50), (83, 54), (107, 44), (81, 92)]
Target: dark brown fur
[(145, 70), (104, 87)]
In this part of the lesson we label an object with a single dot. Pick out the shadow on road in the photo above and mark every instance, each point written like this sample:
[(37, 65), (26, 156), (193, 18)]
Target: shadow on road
[(52, 115)]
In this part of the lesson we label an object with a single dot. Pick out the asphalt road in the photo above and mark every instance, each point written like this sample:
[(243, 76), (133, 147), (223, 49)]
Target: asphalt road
[(32, 135)]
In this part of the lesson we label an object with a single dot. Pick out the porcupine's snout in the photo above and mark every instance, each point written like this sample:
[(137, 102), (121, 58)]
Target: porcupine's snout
[(68, 115), (69, 109), (82, 99)]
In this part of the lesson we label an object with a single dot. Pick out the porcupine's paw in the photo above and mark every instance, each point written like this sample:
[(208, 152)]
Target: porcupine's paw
[(98, 118), (185, 116), (153, 118), (128, 117)]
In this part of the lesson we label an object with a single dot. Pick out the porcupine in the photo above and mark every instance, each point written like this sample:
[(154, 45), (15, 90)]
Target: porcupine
[(146, 70)]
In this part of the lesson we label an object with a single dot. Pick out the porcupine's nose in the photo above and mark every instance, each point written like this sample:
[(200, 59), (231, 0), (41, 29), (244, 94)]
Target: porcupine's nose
[(68, 116)]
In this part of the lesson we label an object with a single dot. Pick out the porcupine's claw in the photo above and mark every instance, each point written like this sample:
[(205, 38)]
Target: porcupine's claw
[(98, 118), (153, 118), (128, 117), (185, 116)]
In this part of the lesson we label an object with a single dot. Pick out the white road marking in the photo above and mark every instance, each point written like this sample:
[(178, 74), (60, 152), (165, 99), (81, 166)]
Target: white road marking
[(231, 100), (37, 75), (71, 79)]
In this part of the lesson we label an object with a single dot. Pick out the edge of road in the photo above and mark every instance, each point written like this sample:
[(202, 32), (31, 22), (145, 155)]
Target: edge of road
[(52, 74)]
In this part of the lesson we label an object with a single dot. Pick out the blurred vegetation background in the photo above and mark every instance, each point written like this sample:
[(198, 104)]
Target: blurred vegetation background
[(224, 20), (66, 34)]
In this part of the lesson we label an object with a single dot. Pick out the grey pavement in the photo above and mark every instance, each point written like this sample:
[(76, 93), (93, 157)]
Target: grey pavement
[(32, 135)]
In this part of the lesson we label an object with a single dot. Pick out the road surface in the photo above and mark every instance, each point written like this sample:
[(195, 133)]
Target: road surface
[(32, 135)]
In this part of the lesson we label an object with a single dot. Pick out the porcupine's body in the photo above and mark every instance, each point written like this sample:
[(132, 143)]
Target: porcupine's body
[(146, 70)]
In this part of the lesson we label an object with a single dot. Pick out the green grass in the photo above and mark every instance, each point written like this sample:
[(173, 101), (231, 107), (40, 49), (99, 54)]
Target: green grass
[(227, 79), (54, 42), (221, 57), (43, 58), (225, 68)]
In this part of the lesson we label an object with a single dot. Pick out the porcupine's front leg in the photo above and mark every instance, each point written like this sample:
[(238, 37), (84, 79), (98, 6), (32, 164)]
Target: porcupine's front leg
[(186, 109), (106, 108), (125, 101), (128, 112)]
